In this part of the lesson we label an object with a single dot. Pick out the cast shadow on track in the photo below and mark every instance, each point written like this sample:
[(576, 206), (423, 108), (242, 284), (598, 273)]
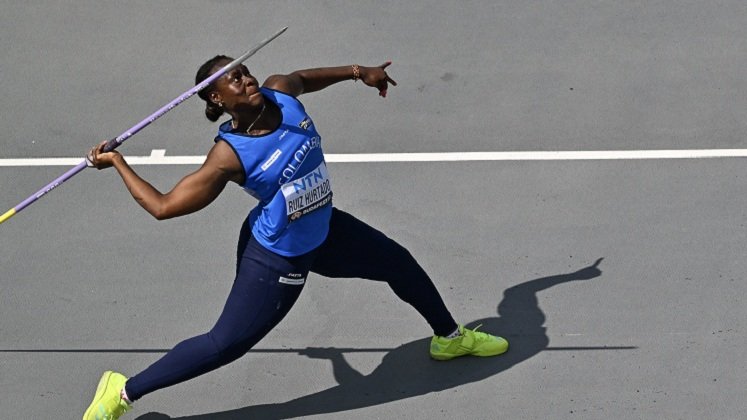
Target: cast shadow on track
[(407, 371)]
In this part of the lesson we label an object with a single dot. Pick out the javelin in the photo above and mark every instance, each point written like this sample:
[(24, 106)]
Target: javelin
[(115, 142)]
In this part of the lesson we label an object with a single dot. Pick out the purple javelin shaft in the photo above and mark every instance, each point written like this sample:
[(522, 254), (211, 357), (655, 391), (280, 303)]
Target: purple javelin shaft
[(115, 142), (49, 187)]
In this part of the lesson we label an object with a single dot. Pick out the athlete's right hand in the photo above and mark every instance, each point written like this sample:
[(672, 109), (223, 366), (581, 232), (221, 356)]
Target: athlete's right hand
[(99, 159)]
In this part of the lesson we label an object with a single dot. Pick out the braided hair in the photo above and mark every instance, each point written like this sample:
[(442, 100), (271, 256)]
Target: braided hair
[(212, 110)]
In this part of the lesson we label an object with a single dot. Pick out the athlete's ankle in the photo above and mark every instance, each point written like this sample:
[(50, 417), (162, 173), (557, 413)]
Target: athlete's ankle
[(123, 395), (456, 333)]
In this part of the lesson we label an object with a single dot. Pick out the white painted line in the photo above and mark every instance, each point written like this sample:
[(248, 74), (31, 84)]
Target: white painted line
[(528, 156), (158, 157), (41, 162), (132, 160)]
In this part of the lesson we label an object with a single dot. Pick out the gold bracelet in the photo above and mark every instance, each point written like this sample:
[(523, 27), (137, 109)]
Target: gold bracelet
[(356, 72)]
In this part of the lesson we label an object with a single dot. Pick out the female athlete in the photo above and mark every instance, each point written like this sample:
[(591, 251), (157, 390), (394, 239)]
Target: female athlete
[(271, 148)]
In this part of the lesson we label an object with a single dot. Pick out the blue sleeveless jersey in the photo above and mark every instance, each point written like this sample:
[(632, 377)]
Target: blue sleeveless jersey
[(286, 172)]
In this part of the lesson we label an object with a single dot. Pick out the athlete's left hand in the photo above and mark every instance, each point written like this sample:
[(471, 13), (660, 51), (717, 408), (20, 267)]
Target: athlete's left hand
[(377, 77)]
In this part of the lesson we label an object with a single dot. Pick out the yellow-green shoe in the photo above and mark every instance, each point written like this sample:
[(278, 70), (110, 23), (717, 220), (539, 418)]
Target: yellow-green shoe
[(473, 342), (107, 403)]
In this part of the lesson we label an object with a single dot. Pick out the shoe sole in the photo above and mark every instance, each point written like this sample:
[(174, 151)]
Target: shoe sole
[(100, 391), (449, 356)]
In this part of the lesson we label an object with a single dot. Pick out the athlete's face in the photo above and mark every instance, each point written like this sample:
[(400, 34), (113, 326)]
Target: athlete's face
[(237, 90)]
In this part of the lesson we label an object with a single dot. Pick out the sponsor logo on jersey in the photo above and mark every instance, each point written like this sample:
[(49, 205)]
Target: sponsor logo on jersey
[(272, 159), (305, 124)]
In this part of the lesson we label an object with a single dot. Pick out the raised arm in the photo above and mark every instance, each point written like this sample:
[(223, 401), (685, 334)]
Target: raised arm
[(312, 80), (192, 193)]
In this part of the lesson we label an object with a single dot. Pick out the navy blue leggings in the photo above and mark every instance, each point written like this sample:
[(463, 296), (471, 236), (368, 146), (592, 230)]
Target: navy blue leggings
[(267, 285)]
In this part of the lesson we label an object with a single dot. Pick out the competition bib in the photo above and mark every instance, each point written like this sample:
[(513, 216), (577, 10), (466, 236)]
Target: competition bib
[(308, 193)]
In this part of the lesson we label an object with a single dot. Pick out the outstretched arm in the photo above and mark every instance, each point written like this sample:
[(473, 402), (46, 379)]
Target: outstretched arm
[(312, 80), (190, 194)]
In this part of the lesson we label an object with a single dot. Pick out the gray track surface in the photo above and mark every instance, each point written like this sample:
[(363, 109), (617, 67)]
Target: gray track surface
[(656, 330)]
